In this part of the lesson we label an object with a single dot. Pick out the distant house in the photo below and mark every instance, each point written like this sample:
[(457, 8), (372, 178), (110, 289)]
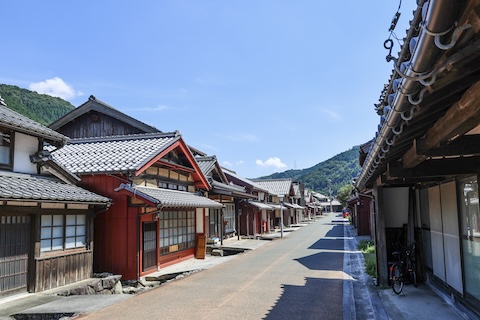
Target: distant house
[(158, 191), (281, 194), (256, 216), (298, 201), (46, 221), (222, 223), (422, 168)]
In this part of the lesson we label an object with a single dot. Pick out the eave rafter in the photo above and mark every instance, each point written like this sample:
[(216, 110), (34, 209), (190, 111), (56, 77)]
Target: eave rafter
[(462, 117), (435, 168)]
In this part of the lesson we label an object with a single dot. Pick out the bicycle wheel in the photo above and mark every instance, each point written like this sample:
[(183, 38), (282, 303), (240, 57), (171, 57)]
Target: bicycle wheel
[(413, 275), (397, 282)]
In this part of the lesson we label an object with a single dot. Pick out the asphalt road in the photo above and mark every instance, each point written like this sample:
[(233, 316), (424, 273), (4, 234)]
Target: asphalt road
[(298, 277)]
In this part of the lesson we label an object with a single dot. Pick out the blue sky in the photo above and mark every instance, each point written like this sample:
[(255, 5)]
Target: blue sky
[(266, 86)]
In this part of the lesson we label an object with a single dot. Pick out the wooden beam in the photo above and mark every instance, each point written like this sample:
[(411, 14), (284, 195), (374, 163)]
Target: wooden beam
[(467, 145), (436, 168), (460, 118)]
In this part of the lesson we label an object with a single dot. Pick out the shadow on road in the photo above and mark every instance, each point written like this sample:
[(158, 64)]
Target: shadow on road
[(323, 261), (317, 299)]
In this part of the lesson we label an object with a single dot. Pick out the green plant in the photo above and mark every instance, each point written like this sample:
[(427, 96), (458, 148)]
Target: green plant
[(368, 249)]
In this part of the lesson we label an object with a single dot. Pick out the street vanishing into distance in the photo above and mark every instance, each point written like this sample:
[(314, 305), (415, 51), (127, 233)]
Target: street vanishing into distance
[(298, 277)]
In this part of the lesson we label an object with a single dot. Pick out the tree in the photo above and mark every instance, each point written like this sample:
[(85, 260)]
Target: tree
[(344, 193)]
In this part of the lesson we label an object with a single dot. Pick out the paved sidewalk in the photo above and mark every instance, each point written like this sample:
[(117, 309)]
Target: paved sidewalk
[(422, 302)]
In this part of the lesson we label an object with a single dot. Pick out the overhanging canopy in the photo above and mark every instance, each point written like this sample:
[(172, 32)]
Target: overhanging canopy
[(169, 198)]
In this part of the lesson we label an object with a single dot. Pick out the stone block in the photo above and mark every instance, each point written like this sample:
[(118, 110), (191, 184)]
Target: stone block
[(217, 252)]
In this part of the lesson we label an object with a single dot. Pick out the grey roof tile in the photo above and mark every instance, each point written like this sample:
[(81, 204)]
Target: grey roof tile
[(19, 186), (246, 181), (112, 154), (275, 186), (18, 122), (172, 198)]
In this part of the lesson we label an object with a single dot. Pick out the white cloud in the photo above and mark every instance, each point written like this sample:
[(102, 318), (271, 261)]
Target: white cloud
[(272, 162), (226, 164), (332, 114), (55, 87)]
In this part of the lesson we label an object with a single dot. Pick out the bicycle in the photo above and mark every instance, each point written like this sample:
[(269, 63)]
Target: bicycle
[(402, 271)]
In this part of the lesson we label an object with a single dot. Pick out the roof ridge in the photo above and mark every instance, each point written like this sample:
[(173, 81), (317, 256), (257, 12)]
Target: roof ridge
[(125, 137)]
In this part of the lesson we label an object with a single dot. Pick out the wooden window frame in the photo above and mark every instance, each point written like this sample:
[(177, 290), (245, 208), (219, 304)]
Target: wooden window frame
[(11, 133), (60, 230)]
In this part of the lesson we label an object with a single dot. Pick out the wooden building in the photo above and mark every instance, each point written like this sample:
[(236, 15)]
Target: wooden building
[(255, 215), (158, 191), (423, 164), (46, 221), (281, 197), (95, 118), (222, 223)]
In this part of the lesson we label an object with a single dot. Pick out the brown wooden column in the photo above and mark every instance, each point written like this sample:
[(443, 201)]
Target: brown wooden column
[(380, 238)]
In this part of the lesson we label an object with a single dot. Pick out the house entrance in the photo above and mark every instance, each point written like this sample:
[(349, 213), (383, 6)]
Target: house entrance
[(14, 247), (149, 257)]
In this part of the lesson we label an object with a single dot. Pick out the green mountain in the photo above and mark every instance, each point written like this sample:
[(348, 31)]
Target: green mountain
[(39, 107), (340, 170)]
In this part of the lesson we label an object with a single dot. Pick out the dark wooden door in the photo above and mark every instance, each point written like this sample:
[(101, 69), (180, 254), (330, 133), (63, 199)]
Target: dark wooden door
[(14, 248), (149, 257)]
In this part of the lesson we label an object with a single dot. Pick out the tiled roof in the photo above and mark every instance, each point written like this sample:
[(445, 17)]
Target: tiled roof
[(18, 186), (206, 164), (171, 198), (113, 154), (246, 181), (261, 205), (18, 122), (275, 186)]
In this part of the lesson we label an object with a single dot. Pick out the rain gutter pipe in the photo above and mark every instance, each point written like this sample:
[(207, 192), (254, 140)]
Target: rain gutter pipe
[(437, 17)]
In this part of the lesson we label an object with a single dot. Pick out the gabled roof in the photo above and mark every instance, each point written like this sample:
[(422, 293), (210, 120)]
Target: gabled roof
[(209, 164), (233, 177), (25, 187), (165, 198), (231, 190), (276, 186), (93, 104), (113, 154), (131, 154), (15, 121)]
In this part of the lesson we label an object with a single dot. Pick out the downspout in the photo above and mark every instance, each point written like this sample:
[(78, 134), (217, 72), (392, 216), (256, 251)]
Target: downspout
[(437, 17)]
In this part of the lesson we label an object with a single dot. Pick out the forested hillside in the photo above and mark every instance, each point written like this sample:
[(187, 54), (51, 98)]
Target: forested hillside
[(39, 107), (340, 170)]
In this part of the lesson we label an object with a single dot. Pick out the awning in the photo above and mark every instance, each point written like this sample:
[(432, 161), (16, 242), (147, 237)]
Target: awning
[(169, 198), (260, 205), (35, 188), (278, 207)]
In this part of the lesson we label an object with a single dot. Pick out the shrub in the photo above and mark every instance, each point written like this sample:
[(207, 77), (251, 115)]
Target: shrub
[(368, 249)]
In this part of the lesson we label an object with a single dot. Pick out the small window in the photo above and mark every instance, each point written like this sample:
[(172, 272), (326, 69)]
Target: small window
[(5, 149), (59, 232)]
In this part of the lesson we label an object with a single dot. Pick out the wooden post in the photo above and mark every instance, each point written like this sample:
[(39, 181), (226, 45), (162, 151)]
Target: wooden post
[(380, 238)]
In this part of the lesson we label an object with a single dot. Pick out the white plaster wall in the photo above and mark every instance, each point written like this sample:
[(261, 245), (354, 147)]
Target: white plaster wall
[(199, 219), (436, 232), (396, 207), (451, 240), (25, 146)]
